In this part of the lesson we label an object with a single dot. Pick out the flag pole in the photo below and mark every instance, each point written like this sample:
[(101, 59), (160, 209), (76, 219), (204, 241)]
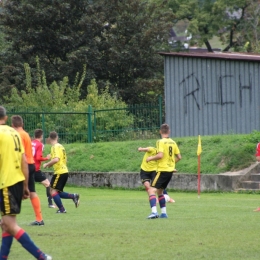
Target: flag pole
[(198, 176), (199, 151)]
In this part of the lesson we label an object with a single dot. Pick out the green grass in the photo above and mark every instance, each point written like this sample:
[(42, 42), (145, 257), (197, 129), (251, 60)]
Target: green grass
[(219, 154), (112, 224)]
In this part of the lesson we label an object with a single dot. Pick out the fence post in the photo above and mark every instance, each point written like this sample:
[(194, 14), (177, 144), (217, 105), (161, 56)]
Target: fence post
[(89, 124), (160, 109), (43, 127)]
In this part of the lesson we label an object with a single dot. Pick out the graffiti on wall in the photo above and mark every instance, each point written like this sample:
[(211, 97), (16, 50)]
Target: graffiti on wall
[(192, 87)]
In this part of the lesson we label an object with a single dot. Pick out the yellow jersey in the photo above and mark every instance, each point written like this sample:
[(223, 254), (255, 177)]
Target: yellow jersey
[(169, 149), (152, 165), (11, 150), (58, 151)]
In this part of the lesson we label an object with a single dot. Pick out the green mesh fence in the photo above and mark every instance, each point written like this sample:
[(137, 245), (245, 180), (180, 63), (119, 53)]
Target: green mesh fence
[(71, 126), (117, 124), (129, 123)]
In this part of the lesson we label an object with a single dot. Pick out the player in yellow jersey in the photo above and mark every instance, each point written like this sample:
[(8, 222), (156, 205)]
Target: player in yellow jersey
[(148, 170), (167, 155), (13, 189), (60, 177)]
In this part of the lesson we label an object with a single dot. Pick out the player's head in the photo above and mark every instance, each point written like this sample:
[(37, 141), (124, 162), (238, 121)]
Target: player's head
[(164, 129), (53, 136), (38, 134), (17, 121), (3, 115)]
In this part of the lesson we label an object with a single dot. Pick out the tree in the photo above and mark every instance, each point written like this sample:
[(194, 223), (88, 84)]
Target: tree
[(229, 20), (118, 40), (135, 32), (200, 14)]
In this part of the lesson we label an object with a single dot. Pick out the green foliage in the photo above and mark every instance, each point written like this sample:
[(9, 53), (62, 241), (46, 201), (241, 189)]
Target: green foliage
[(234, 22), (59, 98), (118, 40)]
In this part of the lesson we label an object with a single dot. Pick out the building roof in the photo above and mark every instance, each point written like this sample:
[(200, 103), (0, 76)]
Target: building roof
[(196, 53)]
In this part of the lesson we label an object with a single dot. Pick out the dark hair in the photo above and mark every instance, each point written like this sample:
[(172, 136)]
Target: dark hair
[(2, 112), (17, 121), (53, 135), (165, 128), (38, 133)]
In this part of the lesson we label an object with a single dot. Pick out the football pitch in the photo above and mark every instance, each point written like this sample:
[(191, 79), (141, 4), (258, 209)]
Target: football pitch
[(112, 224)]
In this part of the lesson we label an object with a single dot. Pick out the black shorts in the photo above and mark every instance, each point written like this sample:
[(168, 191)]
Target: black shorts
[(31, 182), (161, 180), (39, 176), (11, 199), (147, 176), (58, 181)]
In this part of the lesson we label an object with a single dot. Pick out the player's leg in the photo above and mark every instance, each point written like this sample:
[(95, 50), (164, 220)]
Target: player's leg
[(162, 202), (145, 179), (57, 185), (152, 201), (40, 176), (11, 199), (167, 197), (165, 179), (35, 200), (155, 183), (66, 195)]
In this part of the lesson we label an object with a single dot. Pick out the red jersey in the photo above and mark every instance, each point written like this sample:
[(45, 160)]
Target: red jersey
[(37, 148), (257, 150)]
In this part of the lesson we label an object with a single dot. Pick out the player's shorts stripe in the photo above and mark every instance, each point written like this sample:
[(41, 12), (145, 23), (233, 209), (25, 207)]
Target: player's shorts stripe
[(6, 201), (56, 180), (156, 178)]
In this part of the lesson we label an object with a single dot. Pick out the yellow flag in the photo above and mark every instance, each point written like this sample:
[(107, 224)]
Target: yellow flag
[(199, 150)]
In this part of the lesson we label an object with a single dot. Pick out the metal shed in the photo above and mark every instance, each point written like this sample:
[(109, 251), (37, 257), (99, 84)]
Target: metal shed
[(212, 93)]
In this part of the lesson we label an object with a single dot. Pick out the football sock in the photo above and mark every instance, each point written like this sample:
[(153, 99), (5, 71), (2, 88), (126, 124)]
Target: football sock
[(37, 208), (65, 195), (7, 241), (152, 200), (28, 244), (48, 193), (162, 203), (165, 192), (57, 200)]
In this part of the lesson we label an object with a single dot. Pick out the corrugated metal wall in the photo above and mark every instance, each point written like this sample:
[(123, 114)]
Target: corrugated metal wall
[(211, 96)]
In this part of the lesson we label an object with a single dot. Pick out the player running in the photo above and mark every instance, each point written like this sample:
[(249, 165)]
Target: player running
[(39, 176), (60, 177)]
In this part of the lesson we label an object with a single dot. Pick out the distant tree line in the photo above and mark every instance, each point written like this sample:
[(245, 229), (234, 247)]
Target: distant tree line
[(117, 40)]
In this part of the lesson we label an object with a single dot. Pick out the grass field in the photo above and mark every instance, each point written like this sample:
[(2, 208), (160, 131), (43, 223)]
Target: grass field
[(112, 224)]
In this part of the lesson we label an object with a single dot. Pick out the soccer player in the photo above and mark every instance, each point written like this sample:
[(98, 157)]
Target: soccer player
[(60, 177), (167, 155), (148, 170), (257, 156), (17, 124), (39, 176), (13, 189)]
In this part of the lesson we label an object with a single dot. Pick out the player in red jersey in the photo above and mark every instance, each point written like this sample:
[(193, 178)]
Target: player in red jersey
[(39, 176)]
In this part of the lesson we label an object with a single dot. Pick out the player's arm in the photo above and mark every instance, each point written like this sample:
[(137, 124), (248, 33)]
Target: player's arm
[(177, 157), (143, 149), (156, 157), (51, 162), (24, 167)]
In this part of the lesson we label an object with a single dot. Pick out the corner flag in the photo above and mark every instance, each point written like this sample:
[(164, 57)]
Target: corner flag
[(199, 150)]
